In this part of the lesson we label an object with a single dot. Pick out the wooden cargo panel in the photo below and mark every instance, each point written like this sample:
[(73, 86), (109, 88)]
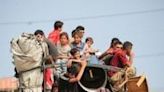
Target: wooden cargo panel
[(132, 85)]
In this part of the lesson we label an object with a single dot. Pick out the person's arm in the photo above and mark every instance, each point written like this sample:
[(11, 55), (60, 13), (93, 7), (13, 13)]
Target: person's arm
[(52, 49), (131, 57), (69, 63), (104, 54), (62, 57), (76, 60), (79, 75)]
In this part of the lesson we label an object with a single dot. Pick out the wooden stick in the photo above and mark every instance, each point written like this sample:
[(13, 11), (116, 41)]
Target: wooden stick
[(141, 80), (122, 84), (90, 73)]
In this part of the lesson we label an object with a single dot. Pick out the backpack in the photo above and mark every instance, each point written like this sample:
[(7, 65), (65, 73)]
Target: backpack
[(27, 52)]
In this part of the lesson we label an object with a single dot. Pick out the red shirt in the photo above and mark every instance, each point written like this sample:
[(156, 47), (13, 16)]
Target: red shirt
[(48, 77), (119, 60), (54, 36)]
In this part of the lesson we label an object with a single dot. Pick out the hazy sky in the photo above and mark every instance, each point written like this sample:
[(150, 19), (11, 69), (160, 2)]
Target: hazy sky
[(138, 21)]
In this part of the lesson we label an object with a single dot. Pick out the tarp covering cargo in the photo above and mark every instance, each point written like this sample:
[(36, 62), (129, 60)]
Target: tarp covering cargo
[(27, 52)]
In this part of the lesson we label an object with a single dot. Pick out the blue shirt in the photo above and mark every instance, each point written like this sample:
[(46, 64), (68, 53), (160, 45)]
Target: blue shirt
[(79, 47)]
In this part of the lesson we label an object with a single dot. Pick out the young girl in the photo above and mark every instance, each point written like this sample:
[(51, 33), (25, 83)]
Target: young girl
[(77, 43), (63, 51)]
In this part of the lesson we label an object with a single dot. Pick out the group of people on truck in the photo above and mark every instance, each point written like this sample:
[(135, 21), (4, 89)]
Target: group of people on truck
[(70, 56)]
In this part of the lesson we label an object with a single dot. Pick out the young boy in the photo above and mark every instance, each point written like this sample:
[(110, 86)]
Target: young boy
[(120, 60), (76, 66), (55, 34), (81, 29), (110, 50), (107, 56), (48, 72)]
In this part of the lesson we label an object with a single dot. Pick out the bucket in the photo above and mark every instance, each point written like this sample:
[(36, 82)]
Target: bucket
[(93, 79)]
